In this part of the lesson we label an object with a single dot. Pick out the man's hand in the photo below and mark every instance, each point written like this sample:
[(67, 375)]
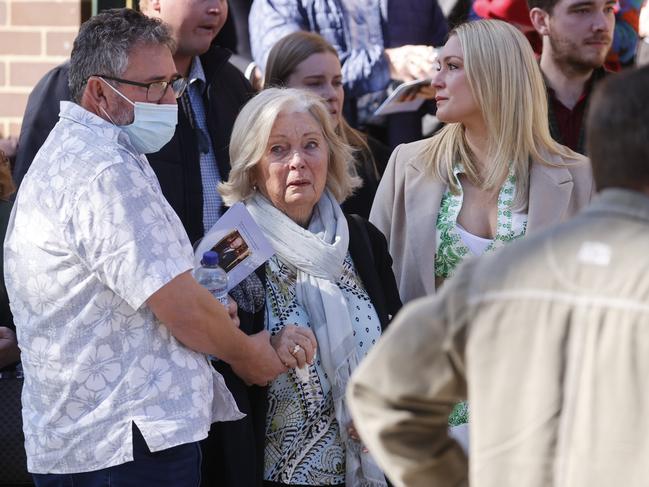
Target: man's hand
[(201, 323), (408, 63), (232, 308), (261, 365), (9, 351)]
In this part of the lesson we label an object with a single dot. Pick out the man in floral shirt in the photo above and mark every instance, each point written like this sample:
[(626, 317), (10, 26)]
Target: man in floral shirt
[(112, 326)]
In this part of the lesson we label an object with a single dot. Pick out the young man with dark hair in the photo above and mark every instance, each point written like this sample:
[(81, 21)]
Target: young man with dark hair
[(577, 35), (550, 338)]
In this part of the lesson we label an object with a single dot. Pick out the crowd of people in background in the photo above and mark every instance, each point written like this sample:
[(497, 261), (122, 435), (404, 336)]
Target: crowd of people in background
[(508, 213)]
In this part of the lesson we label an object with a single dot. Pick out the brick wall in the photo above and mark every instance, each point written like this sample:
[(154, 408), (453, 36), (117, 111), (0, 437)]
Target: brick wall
[(35, 36)]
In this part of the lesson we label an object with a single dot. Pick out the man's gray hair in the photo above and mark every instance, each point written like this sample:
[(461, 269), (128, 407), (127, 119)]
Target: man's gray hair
[(105, 41)]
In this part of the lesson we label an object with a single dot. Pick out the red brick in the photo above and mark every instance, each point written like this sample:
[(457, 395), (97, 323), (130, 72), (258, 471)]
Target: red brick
[(20, 43), (27, 73), (58, 14), (59, 43), (12, 104), (2, 74), (3, 12)]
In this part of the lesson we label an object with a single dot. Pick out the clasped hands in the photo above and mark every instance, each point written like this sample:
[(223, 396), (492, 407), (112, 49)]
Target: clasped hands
[(292, 347), (295, 346)]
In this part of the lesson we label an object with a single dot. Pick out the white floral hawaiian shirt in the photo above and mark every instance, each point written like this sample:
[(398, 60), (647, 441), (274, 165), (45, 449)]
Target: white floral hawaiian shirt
[(91, 238)]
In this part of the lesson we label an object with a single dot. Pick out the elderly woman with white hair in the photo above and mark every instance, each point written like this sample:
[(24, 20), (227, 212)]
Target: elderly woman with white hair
[(330, 282)]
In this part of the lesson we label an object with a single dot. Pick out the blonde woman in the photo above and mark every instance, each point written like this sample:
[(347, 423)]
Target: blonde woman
[(491, 175)]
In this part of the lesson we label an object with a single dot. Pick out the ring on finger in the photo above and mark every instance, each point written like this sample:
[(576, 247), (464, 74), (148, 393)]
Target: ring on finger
[(296, 350)]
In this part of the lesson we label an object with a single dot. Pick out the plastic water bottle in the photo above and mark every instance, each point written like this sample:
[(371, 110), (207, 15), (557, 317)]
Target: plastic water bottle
[(211, 276)]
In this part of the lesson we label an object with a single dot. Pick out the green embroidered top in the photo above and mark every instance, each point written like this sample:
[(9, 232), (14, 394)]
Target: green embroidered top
[(451, 250)]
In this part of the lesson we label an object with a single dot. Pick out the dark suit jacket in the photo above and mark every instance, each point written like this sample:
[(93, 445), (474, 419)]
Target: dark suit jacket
[(177, 164), (236, 449)]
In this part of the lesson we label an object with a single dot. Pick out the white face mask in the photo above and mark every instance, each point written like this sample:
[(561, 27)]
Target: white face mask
[(153, 124)]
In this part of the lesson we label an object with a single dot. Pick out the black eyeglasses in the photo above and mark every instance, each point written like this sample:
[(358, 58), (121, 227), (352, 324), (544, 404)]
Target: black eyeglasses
[(157, 89)]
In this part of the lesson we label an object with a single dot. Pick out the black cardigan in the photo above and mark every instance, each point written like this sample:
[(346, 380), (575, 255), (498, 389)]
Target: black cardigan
[(233, 452)]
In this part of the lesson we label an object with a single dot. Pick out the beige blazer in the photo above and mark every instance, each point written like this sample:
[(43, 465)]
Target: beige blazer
[(407, 201)]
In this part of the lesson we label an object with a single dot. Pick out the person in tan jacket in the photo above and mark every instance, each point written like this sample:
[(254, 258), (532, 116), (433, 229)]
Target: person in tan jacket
[(491, 175), (549, 341)]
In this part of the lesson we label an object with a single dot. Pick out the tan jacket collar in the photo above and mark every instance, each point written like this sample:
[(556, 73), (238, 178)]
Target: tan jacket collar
[(549, 198), (621, 201)]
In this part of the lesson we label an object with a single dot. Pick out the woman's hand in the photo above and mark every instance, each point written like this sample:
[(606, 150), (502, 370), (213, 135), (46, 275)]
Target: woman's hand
[(411, 62), (295, 346), (232, 311)]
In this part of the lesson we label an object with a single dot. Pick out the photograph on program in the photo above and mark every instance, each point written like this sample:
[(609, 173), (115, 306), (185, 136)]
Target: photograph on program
[(232, 250)]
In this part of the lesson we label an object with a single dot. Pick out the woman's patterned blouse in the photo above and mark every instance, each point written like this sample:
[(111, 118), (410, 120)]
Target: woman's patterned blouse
[(303, 444)]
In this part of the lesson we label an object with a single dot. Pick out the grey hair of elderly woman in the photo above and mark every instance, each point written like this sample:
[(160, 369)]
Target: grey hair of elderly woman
[(251, 132)]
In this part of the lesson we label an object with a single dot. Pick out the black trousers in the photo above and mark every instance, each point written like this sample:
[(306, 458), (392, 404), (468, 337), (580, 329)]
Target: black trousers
[(179, 466)]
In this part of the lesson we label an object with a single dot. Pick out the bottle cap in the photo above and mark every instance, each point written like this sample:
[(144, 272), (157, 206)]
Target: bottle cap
[(210, 258)]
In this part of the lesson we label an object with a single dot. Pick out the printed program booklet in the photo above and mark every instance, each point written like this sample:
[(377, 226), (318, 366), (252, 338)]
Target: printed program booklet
[(407, 97), (240, 243)]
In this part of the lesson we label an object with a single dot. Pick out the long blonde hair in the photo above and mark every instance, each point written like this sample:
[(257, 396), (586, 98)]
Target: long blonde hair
[(506, 82)]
